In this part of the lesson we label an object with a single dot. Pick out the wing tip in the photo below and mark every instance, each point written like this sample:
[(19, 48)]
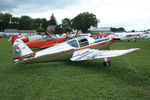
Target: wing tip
[(131, 50), (135, 49)]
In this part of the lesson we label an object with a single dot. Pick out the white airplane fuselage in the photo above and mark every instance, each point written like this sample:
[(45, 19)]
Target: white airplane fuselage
[(64, 51)]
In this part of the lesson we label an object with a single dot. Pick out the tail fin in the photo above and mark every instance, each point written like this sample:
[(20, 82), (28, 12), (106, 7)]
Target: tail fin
[(21, 50)]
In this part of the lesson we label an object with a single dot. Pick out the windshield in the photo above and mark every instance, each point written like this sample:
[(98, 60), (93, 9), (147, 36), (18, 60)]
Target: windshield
[(73, 43)]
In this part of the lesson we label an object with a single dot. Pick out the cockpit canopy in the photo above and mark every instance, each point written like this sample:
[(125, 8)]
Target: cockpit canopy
[(81, 42), (73, 43)]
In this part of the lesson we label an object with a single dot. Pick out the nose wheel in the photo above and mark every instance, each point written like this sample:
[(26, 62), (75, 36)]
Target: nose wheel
[(106, 62)]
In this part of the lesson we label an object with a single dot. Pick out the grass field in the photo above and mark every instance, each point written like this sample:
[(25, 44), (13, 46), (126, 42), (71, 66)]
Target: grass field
[(87, 80)]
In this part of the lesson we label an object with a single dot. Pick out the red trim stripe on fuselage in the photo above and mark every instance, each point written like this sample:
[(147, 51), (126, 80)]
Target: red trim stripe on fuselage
[(31, 54)]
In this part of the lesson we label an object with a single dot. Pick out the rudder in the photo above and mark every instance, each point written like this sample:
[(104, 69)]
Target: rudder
[(21, 50)]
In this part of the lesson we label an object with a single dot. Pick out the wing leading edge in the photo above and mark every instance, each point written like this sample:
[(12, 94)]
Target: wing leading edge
[(94, 54)]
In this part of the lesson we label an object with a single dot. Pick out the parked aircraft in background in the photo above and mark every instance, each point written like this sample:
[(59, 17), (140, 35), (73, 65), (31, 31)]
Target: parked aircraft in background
[(100, 35), (25, 39), (145, 35), (83, 35), (77, 49), (125, 36), (40, 43), (45, 42)]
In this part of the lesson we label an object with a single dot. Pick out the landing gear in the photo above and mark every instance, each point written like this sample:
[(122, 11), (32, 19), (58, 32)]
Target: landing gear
[(106, 62)]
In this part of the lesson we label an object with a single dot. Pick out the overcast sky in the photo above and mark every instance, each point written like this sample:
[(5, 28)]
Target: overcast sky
[(130, 14)]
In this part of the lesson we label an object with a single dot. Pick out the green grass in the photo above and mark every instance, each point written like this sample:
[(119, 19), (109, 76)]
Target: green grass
[(87, 80)]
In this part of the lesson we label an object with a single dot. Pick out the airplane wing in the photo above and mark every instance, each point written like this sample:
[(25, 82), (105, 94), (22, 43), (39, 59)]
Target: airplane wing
[(94, 54)]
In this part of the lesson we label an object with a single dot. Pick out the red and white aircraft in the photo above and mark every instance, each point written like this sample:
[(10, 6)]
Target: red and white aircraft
[(25, 39), (38, 41), (77, 49), (45, 42)]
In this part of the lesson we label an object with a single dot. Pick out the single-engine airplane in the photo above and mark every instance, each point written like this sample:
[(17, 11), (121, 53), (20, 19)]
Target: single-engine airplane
[(125, 36), (77, 49)]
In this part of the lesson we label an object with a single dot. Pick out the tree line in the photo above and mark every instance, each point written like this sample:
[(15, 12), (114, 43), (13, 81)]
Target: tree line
[(82, 22), (120, 29)]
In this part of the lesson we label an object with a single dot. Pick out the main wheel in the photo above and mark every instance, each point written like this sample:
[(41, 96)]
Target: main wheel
[(106, 64)]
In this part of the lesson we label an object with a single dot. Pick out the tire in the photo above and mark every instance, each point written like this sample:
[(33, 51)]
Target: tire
[(106, 64)]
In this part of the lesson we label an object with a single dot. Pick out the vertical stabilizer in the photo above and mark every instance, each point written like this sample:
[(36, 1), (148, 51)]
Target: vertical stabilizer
[(21, 50)]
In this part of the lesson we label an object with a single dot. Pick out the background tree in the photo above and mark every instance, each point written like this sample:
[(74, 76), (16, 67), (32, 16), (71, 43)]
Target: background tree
[(132, 30), (120, 29), (26, 23), (66, 25), (5, 20), (58, 30), (52, 20), (41, 22), (83, 21), (14, 23), (40, 29), (1, 22), (37, 23), (44, 24), (114, 29)]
